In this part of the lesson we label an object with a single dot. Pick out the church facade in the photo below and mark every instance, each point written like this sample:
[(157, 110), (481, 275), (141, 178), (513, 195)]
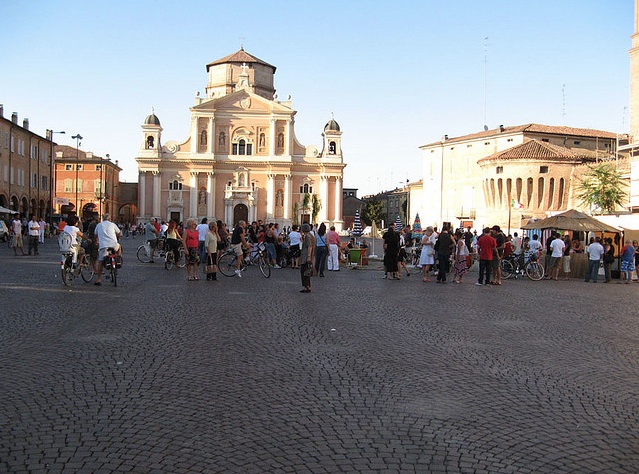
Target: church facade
[(241, 160)]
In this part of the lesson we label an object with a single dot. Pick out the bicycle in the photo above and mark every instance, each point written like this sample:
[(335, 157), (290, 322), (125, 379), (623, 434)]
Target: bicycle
[(144, 251), (170, 260), (516, 265), (227, 264), (112, 262), (82, 267)]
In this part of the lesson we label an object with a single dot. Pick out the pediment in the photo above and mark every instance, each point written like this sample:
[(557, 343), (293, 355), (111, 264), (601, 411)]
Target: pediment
[(242, 100)]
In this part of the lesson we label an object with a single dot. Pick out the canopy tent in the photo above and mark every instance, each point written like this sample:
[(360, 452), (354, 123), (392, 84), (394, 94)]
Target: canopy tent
[(4, 210), (572, 220)]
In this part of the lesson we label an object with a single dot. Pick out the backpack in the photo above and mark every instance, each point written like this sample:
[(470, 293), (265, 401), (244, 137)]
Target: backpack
[(65, 241)]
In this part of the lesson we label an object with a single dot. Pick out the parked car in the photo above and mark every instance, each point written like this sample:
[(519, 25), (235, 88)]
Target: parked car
[(4, 231)]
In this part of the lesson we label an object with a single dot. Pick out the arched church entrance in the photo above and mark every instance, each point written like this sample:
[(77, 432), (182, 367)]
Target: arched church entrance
[(240, 213)]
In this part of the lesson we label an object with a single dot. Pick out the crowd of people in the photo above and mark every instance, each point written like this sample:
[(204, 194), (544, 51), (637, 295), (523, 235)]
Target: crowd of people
[(449, 251)]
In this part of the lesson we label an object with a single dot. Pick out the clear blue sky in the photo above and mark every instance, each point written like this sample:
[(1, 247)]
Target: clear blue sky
[(396, 75)]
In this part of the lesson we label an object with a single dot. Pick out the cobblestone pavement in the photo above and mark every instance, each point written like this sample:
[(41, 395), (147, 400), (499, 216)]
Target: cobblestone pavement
[(162, 375)]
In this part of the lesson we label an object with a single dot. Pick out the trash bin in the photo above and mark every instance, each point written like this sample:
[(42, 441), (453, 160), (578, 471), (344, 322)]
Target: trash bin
[(355, 257)]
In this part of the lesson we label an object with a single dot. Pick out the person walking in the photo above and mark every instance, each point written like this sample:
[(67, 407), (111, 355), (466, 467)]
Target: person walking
[(567, 256), (306, 257), (333, 250), (391, 252), (295, 242), (460, 266), (628, 260), (444, 247), (211, 251), (608, 259), (202, 230), (486, 246), (595, 252), (191, 243), (321, 250), (34, 234), (16, 232), (427, 257)]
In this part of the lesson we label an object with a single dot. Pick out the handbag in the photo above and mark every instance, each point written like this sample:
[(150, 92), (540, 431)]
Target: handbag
[(210, 267), (309, 271)]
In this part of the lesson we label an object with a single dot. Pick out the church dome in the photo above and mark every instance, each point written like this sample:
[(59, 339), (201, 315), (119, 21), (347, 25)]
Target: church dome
[(332, 125), (152, 120)]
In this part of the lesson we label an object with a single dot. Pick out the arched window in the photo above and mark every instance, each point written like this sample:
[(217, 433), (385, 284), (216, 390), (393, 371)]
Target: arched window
[(150, 142), (242, 148), (306, 189), (560, 205), (331, 148), (540, 191), (551, 192), (175, 185), (518, 189), (529, 191)]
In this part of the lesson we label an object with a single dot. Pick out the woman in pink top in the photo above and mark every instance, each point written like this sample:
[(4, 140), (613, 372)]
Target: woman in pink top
[(333, 249), (191, 239)]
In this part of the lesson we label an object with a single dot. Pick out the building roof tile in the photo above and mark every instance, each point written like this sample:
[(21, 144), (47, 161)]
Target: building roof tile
[(239, 57), (537, 150)]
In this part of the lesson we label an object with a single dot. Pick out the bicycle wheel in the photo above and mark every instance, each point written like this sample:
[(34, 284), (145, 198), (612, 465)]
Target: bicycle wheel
[(265, 268), (282, 262), (507, 268), (67, 275), (169, 260), (535, 271), (143, 255), (181, 260), (226, 264), (114, 275), (86, 269)]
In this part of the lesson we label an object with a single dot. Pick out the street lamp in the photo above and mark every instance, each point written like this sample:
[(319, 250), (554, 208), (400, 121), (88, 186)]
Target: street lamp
[(52, 173), (77, 139), (102, 196)]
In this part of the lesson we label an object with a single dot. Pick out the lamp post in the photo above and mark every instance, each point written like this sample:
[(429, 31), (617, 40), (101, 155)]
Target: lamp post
[(52, 182), (77, 139), (102, 196)]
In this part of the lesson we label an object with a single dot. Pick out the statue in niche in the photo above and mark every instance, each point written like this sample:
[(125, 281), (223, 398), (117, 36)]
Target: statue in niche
[(149, 142), (203, 138), (279, 198), (241, 180), (262, 139), (280, 140), (222, 140)]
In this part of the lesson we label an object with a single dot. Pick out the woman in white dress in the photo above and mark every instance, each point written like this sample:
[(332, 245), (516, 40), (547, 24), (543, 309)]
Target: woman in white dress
[(427, 258)]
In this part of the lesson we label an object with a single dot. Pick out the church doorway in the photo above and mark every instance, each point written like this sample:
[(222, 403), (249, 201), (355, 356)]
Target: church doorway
[(240, 213)]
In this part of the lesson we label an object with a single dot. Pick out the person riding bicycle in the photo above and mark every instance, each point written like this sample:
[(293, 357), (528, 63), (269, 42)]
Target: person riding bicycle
[(173, 239), (72, 229), (107, 235), (239, 243)]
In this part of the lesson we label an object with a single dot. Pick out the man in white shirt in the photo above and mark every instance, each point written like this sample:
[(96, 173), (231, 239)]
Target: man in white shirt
[(16, 231), (34, 234), (202, 229), (534, 246), (557, 247), (516, 243), (595, 252), (107, 235), (43, 226)]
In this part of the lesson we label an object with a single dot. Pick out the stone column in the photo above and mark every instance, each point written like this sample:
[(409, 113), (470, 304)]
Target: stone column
[(273, 140), (193, 195), (337, 211), (194, 138), (270, 196), (210, 144), (210, 199), (287, 196), (288, 139), (142, 195), (157, 193), (323, 215)]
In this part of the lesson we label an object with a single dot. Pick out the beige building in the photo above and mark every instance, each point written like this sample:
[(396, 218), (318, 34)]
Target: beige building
[(241, 160), (474, 178), (25, 168)]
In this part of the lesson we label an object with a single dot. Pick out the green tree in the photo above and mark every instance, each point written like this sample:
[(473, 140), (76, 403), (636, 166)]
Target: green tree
[(316, 205), (603, 187), (373, 212)]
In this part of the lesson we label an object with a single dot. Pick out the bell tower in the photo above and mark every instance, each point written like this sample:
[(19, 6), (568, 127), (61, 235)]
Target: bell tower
[(332, 146), (152, 133)]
